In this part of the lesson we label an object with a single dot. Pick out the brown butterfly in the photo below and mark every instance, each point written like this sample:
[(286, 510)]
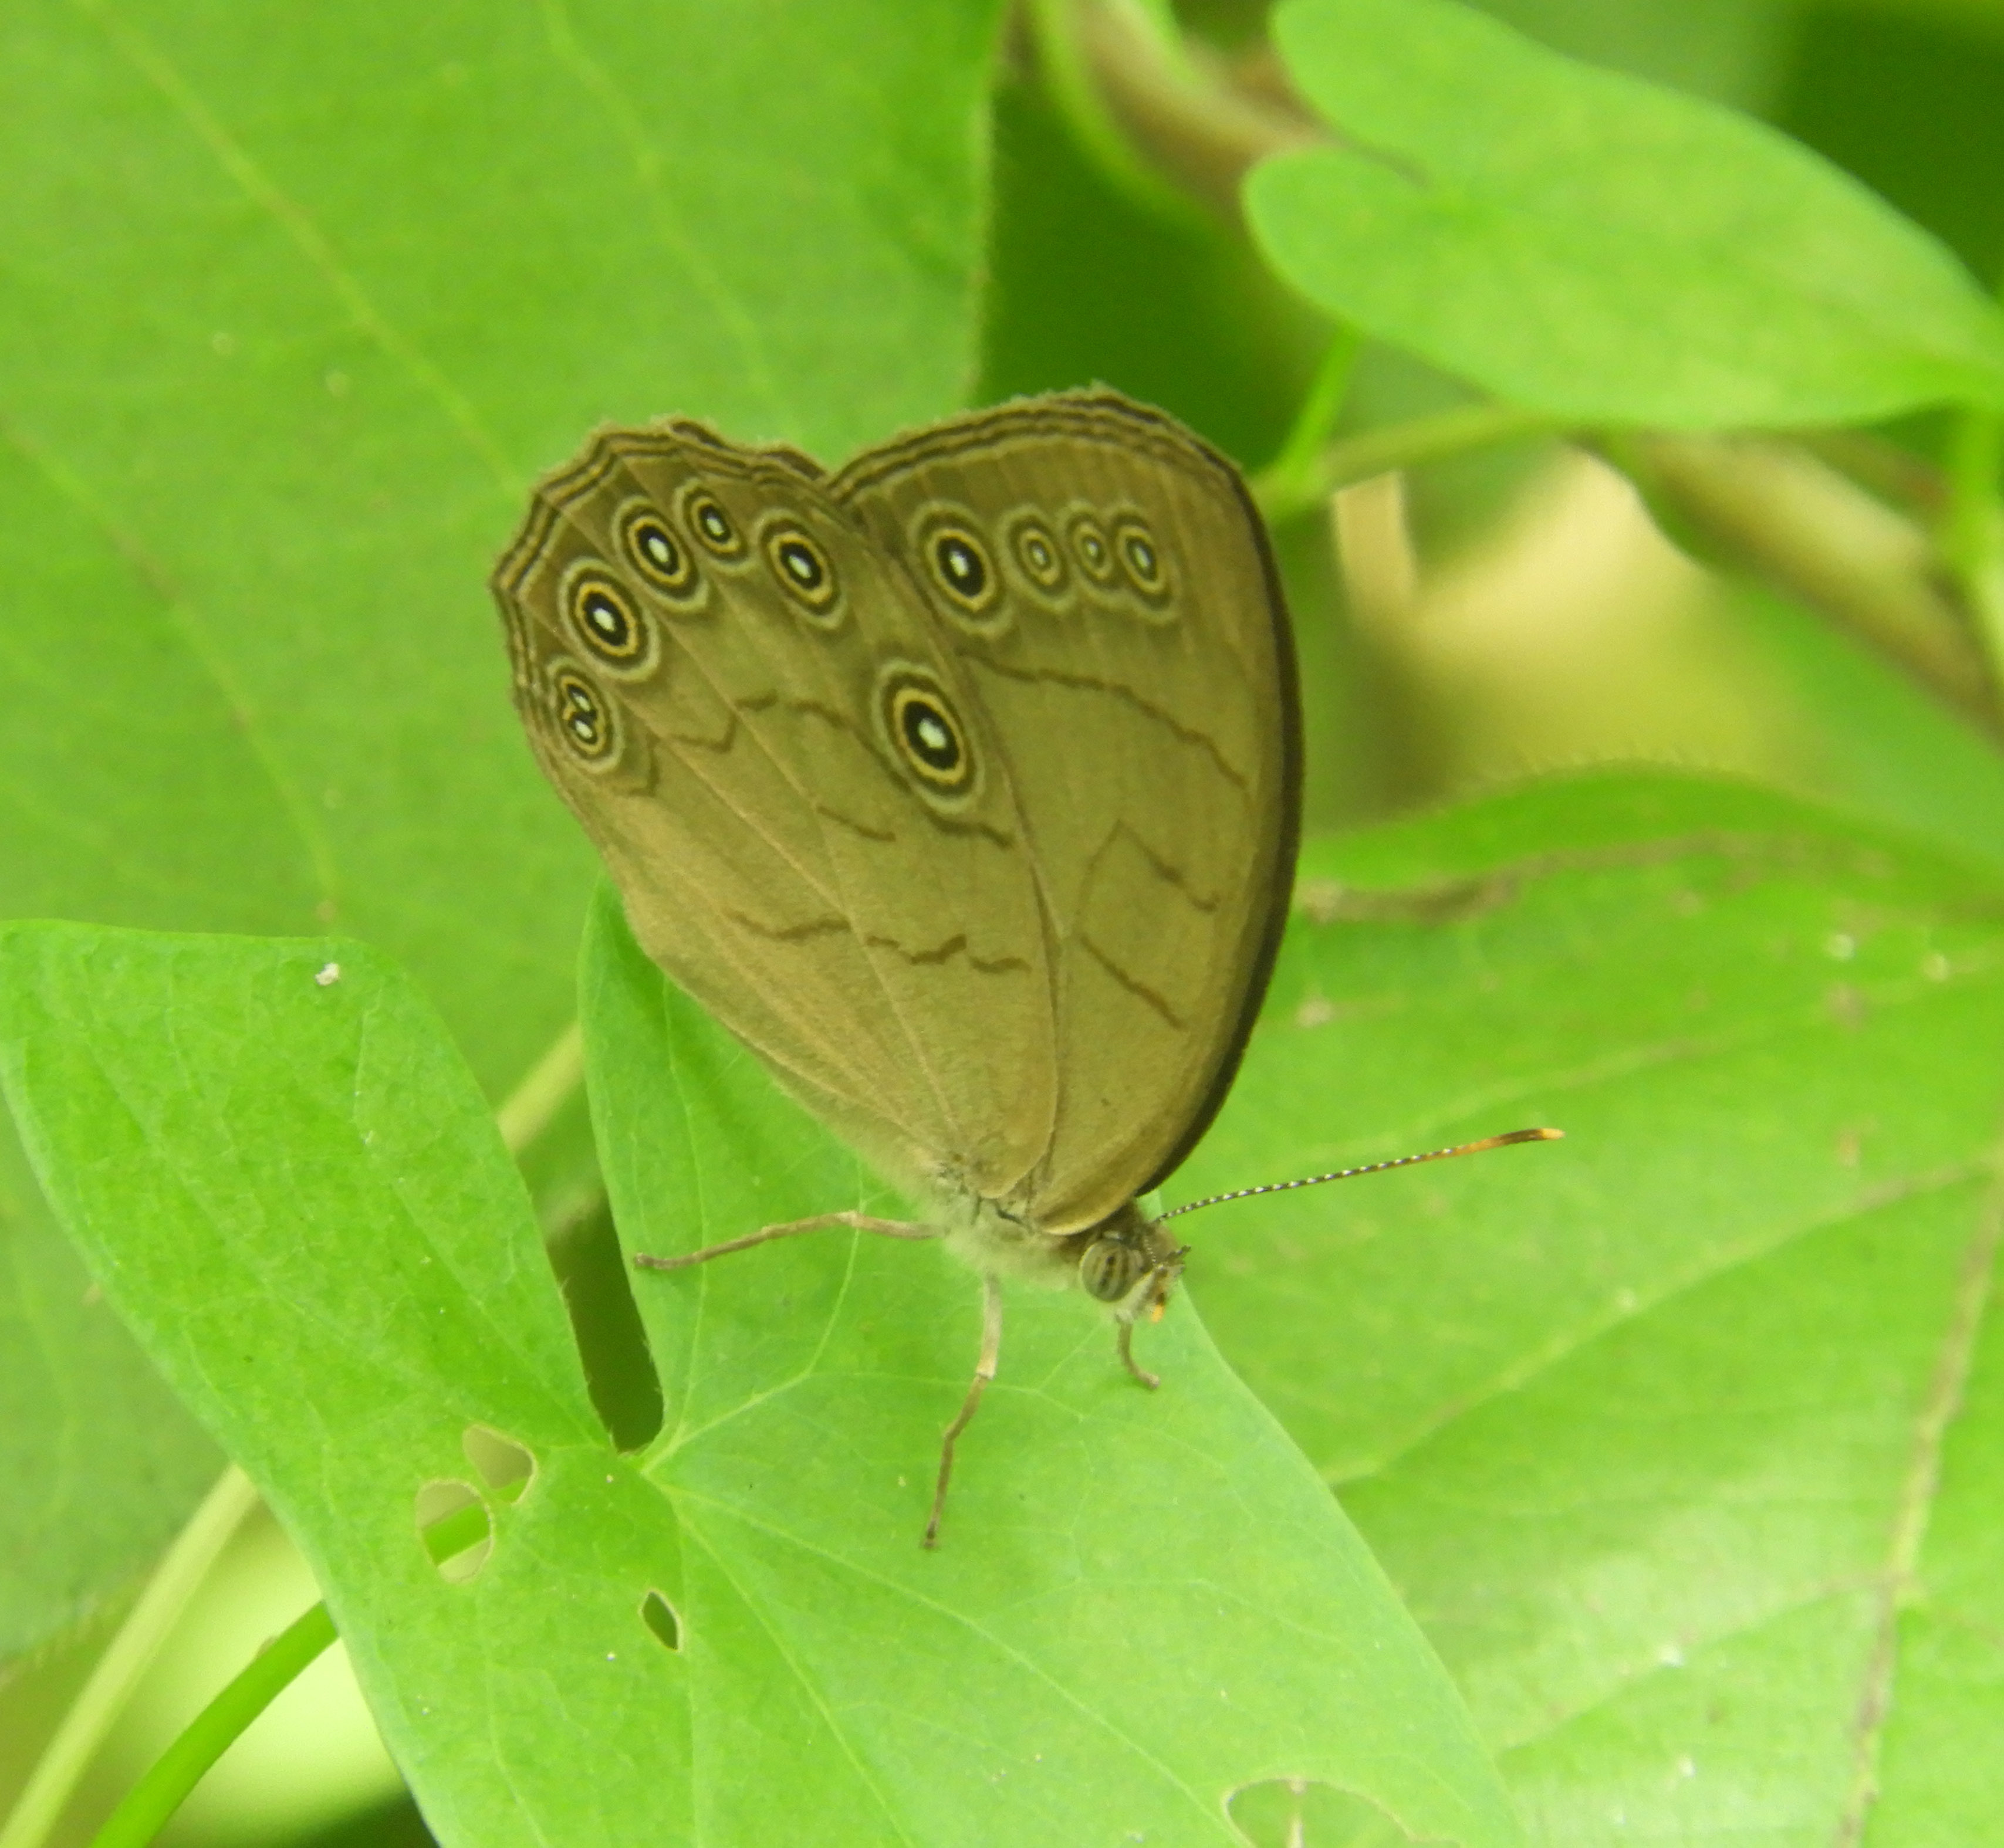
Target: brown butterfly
[(962, 785)]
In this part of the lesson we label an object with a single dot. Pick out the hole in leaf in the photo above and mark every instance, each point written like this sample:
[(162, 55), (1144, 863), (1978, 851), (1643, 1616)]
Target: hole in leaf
[(456, 1528), (659, 1615), (1300, 1812), (503, 1464)]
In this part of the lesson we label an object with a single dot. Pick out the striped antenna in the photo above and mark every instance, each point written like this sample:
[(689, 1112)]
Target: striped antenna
[(1374, 1168)]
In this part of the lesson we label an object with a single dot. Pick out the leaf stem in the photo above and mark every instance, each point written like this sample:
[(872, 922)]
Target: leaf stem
[(1768, 507), (1971, 537), (127, 1657), (1281, 495)]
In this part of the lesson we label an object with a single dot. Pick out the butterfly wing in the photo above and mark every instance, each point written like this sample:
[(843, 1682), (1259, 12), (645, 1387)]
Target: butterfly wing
[(805, 810), (1105, 586)]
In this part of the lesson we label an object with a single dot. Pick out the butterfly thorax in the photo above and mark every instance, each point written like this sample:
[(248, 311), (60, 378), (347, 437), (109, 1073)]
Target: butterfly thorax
[(1126, 1261)]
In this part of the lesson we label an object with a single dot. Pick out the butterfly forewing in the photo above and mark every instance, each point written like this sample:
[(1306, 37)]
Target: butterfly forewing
[(804, 807)]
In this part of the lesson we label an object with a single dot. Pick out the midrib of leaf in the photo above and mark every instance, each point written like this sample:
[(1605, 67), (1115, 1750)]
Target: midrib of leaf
[(1682, 1049), (1026, 1665), (686, 1434), (807, 1685), (307, 238), (1626, 1673), (647, 164), (181, 617), (1513, 1379), (1891, 1582), (1916, 1503)]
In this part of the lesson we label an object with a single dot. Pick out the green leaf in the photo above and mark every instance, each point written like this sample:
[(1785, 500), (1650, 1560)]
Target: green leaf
[(292, 1191), (1140, 1602), (1579, 242), (105, 1462), (1684, 1438), (295, 309), (290, 1185)]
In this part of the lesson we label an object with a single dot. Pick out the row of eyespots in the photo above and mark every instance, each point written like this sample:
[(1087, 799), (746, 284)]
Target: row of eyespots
[(663, 561), (917, 717), (602, 615), (799, 564), (957, 558)]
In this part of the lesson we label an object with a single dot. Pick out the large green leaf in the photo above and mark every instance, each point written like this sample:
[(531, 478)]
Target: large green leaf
[(286, 1180), (1581, 241), (295, 303), (1684, 1438)]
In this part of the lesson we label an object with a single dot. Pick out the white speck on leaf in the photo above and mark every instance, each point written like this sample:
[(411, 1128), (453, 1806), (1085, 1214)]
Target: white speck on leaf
[(327, 975)]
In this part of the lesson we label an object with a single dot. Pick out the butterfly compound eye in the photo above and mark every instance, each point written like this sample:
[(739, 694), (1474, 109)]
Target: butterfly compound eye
[(1109, 1268)]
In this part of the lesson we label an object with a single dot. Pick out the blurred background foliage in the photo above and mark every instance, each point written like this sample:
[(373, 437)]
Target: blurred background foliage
[(1510, 611), (1543, 620)]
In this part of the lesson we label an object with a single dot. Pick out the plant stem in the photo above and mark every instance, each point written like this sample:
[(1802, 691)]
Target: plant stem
[(1296, 463), (274, 1668), (525, 1114), (1281, 495), (1069, 81), (1972, 534), (529, 1109), (1769, 507), (176, 1771), (127, 1657)]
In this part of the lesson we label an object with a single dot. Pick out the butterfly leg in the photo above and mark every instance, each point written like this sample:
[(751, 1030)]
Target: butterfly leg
[(1125, 1343), (984, 1371), (854, 1222)]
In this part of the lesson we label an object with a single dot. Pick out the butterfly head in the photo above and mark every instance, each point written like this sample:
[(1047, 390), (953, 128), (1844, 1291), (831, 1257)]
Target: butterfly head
[(1128, 1263)]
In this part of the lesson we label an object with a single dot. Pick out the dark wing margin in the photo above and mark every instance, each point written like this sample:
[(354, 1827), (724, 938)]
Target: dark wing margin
[(1279, 898)]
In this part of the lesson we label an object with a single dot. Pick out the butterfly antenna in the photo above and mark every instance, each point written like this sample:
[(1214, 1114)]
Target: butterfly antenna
[(1374, 1168)]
